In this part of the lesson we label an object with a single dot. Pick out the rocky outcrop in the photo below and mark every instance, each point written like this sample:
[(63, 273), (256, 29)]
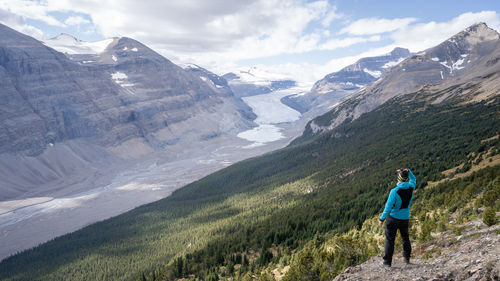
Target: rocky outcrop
[(474, 255)]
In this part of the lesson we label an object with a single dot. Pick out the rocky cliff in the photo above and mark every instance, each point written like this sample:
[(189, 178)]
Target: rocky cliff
[(470, 56), (116, 96)]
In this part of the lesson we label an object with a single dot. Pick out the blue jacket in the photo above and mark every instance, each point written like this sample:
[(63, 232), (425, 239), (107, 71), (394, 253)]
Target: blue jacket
[(399, 201)]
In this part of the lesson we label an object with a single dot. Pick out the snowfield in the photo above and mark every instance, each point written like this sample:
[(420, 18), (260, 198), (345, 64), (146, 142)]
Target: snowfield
[(70, 45)]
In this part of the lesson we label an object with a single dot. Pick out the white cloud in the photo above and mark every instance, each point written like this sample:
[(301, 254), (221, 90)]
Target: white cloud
[(76, 20), (330, 16), (369, 26), (421, 36), (217, 30), (31, 9), (333, 44), (18, 23), (218, 33)]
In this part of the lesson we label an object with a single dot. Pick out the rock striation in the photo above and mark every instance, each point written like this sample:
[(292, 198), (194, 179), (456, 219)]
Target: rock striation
[(116, 94), (470, 56)]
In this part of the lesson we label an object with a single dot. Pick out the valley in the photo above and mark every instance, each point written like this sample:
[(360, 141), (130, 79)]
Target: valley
[(118, 164), (29, 220)]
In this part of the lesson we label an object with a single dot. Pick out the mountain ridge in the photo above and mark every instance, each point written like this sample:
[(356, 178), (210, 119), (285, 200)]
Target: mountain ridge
[(419, 71), (125, 98), (339, 85), (282, 208)]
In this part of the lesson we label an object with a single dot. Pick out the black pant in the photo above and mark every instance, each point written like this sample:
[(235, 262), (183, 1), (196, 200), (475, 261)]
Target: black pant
[(391, 227)]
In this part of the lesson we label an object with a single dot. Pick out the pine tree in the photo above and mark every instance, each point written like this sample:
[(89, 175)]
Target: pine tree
[(489, 216)]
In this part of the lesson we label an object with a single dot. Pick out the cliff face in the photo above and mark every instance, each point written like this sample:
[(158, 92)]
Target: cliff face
[(65, 113), (124, 92)]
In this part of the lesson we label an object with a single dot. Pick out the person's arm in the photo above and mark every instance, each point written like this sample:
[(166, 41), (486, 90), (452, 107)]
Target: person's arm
[(413, 179), (388, 205)]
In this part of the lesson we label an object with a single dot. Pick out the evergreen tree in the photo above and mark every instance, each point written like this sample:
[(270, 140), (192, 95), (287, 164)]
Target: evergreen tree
[(489, 216)]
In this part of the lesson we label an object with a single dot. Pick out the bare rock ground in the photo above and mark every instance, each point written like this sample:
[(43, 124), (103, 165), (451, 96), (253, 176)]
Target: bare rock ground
[(474, 255)]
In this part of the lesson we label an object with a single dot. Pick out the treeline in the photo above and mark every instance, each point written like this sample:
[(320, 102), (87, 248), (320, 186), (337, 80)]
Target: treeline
[(238, 221)]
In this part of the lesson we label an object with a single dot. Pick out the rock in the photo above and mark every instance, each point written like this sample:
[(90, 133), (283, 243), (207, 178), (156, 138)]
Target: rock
[(463, 57), (127, 94)]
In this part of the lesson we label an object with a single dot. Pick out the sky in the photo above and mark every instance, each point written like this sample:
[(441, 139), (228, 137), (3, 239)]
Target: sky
[(298, 39)]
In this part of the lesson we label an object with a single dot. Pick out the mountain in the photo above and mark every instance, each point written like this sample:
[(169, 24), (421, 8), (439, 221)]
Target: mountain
[(309, 210), (98, 104), (471, 55), (255, 81), (338, 85), (359, 74)]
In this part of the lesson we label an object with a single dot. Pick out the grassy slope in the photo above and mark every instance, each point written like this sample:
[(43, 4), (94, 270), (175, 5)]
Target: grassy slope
[(283, 199), (445, 210)]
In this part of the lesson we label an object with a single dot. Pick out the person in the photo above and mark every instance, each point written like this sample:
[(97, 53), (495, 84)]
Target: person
[(397, 214)]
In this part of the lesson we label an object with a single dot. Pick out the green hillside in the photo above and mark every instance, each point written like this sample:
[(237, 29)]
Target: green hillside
[(265, 210)]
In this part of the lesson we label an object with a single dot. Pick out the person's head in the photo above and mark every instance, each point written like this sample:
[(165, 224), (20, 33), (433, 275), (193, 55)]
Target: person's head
[(403, 175)]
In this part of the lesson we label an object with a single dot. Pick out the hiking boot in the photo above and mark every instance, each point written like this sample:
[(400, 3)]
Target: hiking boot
[(407, 261), (386, 266)]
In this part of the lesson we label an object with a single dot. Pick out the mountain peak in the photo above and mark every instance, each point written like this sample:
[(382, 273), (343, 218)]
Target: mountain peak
[(68, 44), (475, 34), (400, 52), (65, 37)]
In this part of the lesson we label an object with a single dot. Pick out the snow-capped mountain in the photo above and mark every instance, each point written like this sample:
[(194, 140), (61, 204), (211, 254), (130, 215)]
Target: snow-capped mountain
[(117, 98), (256, 81), (359, 74), (335, 86), (468, 62), (68, 44)]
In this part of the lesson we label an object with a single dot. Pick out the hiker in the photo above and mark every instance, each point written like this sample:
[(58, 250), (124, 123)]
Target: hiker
[(397, 214)]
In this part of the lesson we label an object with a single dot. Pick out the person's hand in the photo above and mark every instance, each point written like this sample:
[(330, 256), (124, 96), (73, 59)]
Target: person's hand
[(380, 222)]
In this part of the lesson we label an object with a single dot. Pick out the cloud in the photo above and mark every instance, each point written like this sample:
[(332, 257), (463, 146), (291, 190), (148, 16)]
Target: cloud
[(333, 44), (219, 34), (421, 36), (209, 30), (18, 23), (32, 10), (76, 20), (369, 26)]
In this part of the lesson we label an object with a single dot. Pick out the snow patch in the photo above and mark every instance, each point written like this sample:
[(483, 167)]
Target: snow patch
[(454, 66), (119, 76), (392, 63), (435, 59), (120, 79), (125, 48), (114, 58), (374, 73), (441, 74), (134, 50), (70, 45)]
